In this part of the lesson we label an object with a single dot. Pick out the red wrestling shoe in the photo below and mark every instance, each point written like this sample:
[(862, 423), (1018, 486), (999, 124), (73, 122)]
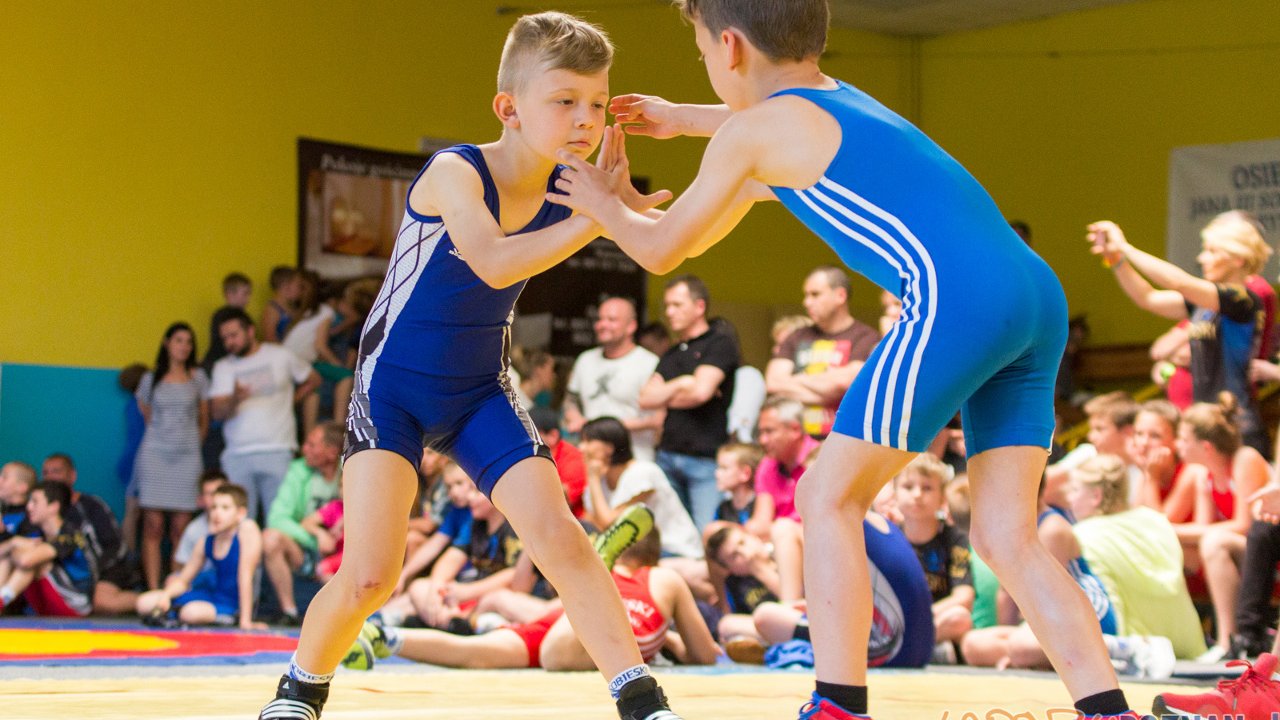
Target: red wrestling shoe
[(1252, 696)]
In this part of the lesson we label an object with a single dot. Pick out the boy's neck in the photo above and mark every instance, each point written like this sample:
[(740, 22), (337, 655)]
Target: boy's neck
[(770, 78), (51, 527), (228, 532), (514, 166), (920, 530), (742, 496)]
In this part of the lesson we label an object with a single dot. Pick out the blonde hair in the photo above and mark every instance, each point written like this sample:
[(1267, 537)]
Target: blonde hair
[(555, 40), (1109, 473), (1118, 407), (1213, 423), (748, 454), (787, 324), (1238, 234), (929, 466)]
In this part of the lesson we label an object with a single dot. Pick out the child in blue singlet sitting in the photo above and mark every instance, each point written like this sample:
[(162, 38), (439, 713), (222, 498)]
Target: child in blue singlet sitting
[(433, 364), (982, 328), (224, 595)]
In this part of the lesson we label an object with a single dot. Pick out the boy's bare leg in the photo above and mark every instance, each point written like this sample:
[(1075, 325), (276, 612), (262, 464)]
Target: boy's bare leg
[(833, 497), (788, 551), (530, 496), (378, 489), (562, 651), (1002, 484), (500, 648)]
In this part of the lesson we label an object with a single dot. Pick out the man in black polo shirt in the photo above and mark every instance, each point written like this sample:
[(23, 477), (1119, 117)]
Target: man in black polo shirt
[(694, 383)]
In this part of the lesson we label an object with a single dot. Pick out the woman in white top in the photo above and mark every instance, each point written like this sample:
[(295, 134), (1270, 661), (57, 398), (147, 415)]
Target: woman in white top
[(616, 480)]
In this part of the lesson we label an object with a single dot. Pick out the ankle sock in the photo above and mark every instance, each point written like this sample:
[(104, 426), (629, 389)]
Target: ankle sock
[(301, 675), (801, 631), (1105, 704), (626, 677), (394, 640), (852, 698)]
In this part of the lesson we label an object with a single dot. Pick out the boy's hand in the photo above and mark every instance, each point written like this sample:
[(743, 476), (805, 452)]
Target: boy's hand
[(1106, 239), (584, 188), (613, 159), (646, 115)]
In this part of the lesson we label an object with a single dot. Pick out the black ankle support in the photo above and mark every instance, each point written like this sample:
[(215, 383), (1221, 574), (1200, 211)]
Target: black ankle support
[(641, 698), (294, 689)]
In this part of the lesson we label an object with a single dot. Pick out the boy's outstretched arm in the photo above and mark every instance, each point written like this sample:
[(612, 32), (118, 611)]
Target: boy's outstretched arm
[(651, 115), (453, 190), (719, 197)]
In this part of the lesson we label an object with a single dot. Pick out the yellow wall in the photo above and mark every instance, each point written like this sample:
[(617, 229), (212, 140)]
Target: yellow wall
[(147, 149), (1072, 119)]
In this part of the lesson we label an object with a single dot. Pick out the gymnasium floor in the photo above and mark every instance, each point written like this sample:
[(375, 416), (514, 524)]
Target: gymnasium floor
[(119, 670)]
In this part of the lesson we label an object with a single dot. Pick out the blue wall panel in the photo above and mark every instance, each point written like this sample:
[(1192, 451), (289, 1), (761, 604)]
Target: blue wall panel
[(79, 411)]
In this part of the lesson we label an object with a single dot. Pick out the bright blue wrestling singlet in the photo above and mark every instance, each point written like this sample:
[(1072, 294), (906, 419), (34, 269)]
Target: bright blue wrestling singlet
[(984, 319)]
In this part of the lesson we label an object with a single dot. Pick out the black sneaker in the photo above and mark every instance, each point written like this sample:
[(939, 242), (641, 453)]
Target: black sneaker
[(296, 700), (642, 699), (289, 620)]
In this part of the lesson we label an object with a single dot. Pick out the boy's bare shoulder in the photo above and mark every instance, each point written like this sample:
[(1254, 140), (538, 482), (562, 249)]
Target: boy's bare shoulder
[(448, 176)]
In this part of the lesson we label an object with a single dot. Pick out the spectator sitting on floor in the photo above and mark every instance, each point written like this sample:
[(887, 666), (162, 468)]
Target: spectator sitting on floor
[(653, 596), (16, 480), (616, 480), (198, 528), (736, 465), (1155, 450), (118, 578), (1226, 473), (942, 549), (455, 528), (225, 595), (902, 632), (788, 451), (326, 526), (310, 483), (1136, 554), (566, 456), (1110, 417), (55, 573)]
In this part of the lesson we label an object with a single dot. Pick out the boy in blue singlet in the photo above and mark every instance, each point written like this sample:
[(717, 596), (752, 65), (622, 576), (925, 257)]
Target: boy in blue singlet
[(982, 328), (223, 596), (433, 360)]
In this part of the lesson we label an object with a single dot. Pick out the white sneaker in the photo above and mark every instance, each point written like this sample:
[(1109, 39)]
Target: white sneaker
[(1213, 656), (1154, 657)]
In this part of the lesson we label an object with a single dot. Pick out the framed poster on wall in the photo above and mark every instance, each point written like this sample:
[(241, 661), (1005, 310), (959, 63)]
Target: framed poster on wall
[(350, 203)]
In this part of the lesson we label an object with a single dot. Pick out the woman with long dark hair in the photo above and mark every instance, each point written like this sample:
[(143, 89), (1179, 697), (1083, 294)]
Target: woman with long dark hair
[(172, 399)]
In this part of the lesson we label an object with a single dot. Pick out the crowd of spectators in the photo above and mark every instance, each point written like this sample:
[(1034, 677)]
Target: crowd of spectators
[(1167, 499)]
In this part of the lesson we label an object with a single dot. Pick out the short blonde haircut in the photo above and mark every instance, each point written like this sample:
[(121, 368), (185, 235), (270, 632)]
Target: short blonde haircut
[(748, 454), (1109, 473), (929, 466), (1238, 234), (787, 324), (1118, 407), (554, 41)]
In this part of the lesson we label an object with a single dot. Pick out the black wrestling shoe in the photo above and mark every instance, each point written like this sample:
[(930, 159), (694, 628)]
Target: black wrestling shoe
[(296, 700), (642, 699)]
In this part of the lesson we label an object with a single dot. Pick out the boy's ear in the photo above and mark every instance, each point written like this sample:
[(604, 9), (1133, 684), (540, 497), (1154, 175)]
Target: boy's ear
[(735, 47), (504, 106)]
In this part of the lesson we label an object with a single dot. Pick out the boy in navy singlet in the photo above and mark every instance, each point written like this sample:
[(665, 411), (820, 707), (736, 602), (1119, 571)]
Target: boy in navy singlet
[(223, 596), (896, 208), (433, 362)]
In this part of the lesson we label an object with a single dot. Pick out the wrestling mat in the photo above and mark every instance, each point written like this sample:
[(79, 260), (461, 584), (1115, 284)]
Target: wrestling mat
[(46, 643)]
